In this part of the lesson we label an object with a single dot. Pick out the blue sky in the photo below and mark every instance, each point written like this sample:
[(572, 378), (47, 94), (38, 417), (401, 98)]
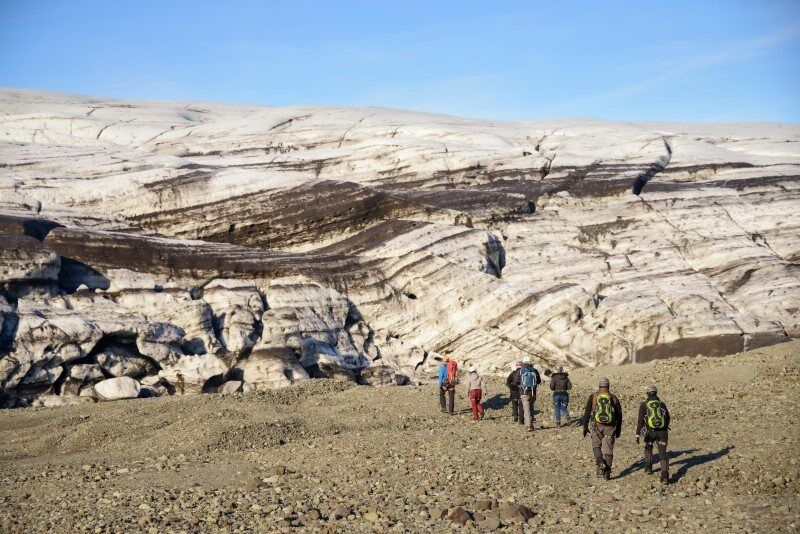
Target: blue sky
[(680, 61)]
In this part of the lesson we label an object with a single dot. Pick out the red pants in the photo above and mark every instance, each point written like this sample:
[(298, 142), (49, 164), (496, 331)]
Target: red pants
[(477, 407)]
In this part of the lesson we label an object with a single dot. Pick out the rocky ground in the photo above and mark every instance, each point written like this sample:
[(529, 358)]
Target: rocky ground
[(324, 455)]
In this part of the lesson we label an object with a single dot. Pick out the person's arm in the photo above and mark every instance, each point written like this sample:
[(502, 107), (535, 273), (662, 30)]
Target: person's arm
[(667, 417), (640, 419), (569, 384), (618, 429), (552, 384), (587, 412), (510, 380)]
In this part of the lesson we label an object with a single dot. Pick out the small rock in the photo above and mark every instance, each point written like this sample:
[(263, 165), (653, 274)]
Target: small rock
[(459, 515), (437, 513), (517, 512), (490, 524), (372, 517), (340, 512)]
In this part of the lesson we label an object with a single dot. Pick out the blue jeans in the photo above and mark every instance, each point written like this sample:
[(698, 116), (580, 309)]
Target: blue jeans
[(560, 403)]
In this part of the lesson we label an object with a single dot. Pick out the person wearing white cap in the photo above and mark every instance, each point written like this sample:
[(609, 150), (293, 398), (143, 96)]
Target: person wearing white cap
[(529, 379), (475, 389)]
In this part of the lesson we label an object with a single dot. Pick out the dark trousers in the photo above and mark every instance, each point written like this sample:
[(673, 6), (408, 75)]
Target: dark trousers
[(515, 406), (658, 438), (451, 399)]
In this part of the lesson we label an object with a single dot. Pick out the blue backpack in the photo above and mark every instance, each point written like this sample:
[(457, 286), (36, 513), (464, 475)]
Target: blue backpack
[(529, 378)]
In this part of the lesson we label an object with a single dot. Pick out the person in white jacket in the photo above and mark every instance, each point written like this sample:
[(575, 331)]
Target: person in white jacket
[(475, 389)]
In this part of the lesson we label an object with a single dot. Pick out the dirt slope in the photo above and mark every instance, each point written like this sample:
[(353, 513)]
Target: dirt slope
[(388, 460)]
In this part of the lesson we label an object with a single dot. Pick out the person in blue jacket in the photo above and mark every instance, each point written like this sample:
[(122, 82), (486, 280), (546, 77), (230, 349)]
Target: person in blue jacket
[(447, 385)]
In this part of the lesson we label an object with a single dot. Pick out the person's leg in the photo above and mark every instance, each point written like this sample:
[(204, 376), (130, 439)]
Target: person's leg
[(514, 407), (478, 398), (608, 451), (451, 399), (648, 456), (521, 412), (597, 442), (533, 408), (473, 401), (557, 409), (441, 399), (565, 409), (526, 409), (662, 454)]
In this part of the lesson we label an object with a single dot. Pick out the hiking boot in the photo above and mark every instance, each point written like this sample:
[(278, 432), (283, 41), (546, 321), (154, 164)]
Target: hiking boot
[(558, 424), (607, 473), (665, 478), (600, 471), (648, 470)]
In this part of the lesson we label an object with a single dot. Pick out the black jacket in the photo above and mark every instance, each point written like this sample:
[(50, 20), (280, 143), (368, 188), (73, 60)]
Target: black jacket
[(513, 384), (559, 382), (640, 424)]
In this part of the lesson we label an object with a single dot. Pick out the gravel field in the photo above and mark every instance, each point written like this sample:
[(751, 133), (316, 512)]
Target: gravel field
[(328, 456)]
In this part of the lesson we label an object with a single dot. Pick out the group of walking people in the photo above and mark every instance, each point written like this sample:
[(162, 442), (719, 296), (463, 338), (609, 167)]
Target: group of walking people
[(602, 414)]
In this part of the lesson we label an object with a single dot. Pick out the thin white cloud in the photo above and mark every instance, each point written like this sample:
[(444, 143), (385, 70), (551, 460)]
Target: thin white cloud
[(734, 53)]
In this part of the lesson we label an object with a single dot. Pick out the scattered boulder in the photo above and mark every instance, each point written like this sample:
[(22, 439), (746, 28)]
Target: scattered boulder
[(122, 387), (230, 387)]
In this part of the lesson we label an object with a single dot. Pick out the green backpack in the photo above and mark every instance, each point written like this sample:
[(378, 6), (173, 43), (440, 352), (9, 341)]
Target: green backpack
[(656, 417), (604, 409)]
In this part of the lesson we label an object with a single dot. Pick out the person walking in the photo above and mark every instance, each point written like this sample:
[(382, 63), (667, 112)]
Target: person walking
[(475, 389), (653, 427), (560, 385), (513, 391), (448, 378), (605, 412), (529, 379)]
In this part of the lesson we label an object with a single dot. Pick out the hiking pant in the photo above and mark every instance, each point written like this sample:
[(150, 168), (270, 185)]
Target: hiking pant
[(451, 399), (475, 400), (603, 445), (560, 403), (527, 399), (659, 438), (513, 396)]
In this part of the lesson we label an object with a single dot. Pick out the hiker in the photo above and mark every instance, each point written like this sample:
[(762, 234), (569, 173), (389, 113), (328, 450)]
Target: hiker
[(448, 378), (529, 379), (475, 389), (560, 385), (653, 427), (513, 391), (605, 411)]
